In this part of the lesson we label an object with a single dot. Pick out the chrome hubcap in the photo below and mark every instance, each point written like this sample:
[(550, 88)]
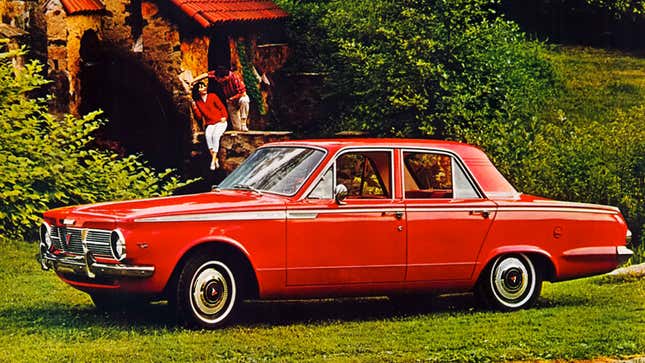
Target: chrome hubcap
[(211, 292), (511, 279)]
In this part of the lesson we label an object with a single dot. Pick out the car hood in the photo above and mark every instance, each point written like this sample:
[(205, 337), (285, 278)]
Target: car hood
[(213, 202)]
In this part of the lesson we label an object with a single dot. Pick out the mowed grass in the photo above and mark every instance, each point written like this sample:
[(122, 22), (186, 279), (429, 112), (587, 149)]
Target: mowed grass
[(597, 82), (44, 320)]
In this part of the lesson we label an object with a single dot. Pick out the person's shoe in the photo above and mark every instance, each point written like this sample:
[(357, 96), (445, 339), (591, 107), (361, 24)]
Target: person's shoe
[(244, 128), (214, 164)]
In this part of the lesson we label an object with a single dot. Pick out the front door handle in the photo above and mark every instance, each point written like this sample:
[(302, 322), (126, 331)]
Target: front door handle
[(481, 212), (397, 215)]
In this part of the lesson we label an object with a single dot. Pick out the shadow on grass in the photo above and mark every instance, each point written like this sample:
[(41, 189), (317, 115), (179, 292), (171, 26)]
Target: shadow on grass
[(256, 313)]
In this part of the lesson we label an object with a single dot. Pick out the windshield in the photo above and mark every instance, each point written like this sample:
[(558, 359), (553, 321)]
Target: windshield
[(280, 170)]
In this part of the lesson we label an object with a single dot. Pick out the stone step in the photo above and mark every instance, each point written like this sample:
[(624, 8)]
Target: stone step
[(235, 146)]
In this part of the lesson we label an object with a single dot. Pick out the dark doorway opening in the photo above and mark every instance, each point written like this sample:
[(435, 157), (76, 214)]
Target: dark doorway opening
[(142, 117), (219, 55), (219, 51)]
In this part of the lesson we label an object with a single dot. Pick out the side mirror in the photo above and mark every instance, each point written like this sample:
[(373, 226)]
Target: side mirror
[(340, 193)]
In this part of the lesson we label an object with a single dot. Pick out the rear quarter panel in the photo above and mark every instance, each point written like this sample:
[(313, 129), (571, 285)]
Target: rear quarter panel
[(578, 241)]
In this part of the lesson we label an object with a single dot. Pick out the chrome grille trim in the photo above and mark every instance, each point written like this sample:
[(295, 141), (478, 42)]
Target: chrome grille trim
[(96, 241)]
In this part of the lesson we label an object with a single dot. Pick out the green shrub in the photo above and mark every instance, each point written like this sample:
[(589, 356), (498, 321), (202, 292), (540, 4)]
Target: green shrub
[(442, 69), (598, 162), (45, 161)]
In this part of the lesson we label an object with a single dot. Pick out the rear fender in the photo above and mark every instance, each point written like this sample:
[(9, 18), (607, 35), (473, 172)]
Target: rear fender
[(525, 249)]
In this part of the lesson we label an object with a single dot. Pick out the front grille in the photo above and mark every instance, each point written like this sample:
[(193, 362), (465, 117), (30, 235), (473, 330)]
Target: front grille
[(70, 240)]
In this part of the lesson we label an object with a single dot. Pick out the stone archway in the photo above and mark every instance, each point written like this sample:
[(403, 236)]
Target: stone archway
[(142, 116)]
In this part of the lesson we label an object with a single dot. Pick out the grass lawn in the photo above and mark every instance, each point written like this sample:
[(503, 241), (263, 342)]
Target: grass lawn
[(597, 82), (43, 320)]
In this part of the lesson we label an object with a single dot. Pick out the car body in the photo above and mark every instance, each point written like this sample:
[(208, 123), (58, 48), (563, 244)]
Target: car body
[(322, 218)]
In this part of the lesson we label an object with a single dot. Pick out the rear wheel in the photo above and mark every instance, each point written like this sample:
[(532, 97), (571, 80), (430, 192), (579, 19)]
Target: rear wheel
[(207, 294), (511, 282)]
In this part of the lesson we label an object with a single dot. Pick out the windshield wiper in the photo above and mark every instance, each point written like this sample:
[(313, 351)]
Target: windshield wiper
[(247, 187)]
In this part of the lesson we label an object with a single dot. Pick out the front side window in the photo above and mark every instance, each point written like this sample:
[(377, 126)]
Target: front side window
[(366, 174), (433, 175), (280, 170)]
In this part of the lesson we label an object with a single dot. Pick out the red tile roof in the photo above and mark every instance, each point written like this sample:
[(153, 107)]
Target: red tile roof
[(211, 12), (82, 6)]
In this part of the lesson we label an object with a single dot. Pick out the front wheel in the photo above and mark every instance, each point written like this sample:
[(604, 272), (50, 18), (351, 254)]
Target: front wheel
[(511, 282), (207, 293)]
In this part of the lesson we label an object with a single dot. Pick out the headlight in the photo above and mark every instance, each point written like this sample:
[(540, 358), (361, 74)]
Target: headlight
[(117, 242), (46, 235)]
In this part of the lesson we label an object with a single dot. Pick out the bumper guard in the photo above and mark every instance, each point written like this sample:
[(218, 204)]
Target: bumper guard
[(86, 265), (623, 254)]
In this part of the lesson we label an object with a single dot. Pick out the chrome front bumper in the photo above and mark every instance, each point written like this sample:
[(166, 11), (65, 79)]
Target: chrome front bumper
[(86, 265)]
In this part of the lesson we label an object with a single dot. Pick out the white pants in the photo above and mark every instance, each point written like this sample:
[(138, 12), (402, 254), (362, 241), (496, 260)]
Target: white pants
[(213, 133), (239, 112)]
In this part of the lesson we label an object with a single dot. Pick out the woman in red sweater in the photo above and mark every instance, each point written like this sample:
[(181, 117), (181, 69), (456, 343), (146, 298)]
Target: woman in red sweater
[(209, 109)]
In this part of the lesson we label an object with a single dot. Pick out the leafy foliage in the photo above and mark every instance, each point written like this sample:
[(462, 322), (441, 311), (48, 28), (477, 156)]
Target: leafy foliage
[(250, 80), (622, 7), (45, 161), (448, 69)]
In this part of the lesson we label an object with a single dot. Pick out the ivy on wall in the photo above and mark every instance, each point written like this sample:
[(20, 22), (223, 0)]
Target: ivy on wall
[(245, 53)]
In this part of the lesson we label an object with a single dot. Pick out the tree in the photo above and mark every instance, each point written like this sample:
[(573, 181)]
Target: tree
[(46, 162), (435, 68)]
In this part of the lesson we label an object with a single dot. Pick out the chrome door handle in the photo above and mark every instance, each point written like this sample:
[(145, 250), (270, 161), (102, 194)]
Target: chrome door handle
[(397, 215), (482, 212)]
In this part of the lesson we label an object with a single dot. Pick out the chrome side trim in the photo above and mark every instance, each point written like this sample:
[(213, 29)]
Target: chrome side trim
[(448, 209), (226, 216), (424, 208), (566, 204), (313, 213), (302, 215), (555, 209)]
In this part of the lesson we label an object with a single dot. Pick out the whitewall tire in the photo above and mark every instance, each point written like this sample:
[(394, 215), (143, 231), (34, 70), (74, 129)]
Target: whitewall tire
[(207, 293), (510, 282)]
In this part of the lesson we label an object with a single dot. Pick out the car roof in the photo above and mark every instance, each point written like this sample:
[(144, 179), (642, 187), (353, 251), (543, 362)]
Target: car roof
[(491, 181)]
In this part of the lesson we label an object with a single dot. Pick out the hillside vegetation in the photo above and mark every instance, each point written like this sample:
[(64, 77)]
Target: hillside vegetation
[(591, 143)]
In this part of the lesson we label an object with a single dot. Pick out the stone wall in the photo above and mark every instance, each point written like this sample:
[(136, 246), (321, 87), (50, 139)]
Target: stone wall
[(116, 24), (26, 15), (235, 147)]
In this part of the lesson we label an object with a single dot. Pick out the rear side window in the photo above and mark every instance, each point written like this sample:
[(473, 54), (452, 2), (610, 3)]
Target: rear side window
[(433, 176)]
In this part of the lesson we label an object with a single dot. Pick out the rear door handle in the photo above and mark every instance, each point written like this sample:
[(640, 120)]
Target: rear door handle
[(481, 212)]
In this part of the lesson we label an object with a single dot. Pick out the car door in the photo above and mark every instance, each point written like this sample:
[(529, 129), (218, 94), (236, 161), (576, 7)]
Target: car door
[(361, 240), (447, 216)]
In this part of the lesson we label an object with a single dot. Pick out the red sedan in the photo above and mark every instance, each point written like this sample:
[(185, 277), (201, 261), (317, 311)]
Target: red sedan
[(321, 218)]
